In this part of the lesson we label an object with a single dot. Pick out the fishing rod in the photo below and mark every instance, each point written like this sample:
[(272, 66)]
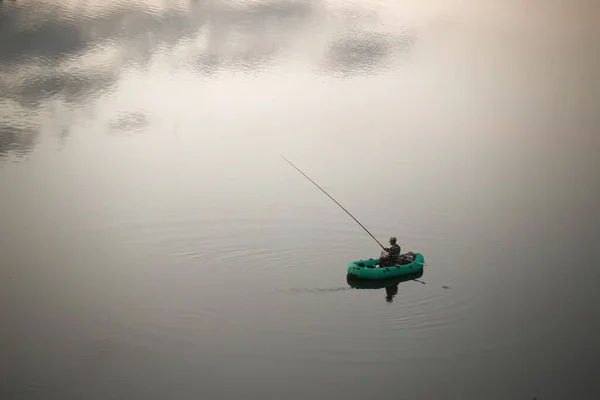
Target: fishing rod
[(380, 245)]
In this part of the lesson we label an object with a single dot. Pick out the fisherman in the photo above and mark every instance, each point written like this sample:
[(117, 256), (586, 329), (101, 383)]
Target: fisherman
[(392, 256)]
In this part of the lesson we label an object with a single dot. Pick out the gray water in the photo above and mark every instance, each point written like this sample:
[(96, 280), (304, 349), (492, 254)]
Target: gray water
[(154, 245)]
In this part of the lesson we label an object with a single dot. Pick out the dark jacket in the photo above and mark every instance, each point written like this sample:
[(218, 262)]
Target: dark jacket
[(394, 252)]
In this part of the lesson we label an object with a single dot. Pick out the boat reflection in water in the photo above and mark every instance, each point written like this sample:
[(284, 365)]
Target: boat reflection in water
[(390, 285)]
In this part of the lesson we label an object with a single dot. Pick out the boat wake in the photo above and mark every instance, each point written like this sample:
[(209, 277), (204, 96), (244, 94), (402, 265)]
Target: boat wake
[(317, 290)]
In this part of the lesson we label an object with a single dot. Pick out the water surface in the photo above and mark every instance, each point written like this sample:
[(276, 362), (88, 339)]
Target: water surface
[(155, 245)]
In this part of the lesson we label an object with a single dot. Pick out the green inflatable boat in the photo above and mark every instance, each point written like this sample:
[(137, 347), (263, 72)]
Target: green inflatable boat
[(358, 283), (366, 269)]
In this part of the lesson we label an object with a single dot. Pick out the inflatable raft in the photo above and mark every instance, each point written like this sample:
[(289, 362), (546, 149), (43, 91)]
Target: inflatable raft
[(366, 269), (358, 283)]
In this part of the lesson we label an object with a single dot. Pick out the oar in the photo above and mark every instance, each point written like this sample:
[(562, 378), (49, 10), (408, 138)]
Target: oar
[(380, 245)]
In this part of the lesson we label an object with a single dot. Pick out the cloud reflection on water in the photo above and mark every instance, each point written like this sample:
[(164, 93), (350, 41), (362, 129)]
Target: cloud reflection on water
[(75, 54)]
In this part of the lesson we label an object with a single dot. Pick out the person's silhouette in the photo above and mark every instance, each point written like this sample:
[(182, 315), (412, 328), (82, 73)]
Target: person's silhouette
[(390, 292)]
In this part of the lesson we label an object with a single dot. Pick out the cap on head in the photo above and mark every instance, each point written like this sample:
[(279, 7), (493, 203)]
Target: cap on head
[(393, 240)]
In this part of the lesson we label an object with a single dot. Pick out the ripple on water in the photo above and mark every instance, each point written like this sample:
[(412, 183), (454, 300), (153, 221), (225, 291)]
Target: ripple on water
[(319, 290)]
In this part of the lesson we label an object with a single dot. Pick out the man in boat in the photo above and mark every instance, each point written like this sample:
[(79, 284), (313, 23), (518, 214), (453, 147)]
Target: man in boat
[(393, 254)]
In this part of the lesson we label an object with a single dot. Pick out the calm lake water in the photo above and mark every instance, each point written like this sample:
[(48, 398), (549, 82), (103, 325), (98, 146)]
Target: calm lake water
[(154, 244)]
